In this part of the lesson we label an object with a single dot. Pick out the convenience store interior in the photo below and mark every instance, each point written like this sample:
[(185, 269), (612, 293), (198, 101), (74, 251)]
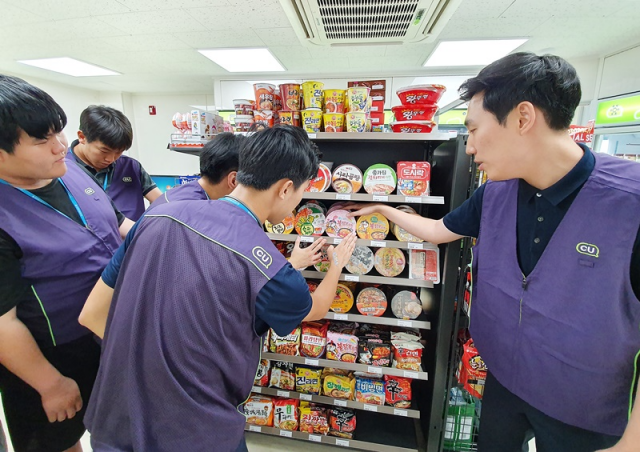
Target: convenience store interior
[(153, 47)]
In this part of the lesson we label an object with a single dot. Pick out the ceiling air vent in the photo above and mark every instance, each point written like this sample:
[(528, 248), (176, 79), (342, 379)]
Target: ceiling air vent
[(352, 22)]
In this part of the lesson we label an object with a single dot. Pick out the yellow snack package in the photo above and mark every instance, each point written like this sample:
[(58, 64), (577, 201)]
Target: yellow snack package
[(308, 380), (339, 387)]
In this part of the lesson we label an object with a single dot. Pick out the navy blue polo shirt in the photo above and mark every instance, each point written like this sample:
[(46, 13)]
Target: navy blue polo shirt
[(539, 214)]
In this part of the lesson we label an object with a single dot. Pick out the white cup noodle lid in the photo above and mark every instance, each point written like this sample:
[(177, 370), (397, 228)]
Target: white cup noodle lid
[(406, 305), (380, 179), (361, 261), (390, 262)]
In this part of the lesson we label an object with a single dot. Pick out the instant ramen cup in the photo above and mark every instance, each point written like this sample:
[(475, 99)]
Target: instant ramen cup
[(243, 122), (414, 112), (380, 179), (333, 122), (343, 301), (322, 181), (412, 126), (243, 107), (340, 224), (361, 261), (290, 93), (347, 178), (334, 100), (290, 118), (265, 95), (312, 120), (264, 117), (310, 220), (358, 98), (371, 302), (312, 94), (355, 121), (389, 262), (421, 94), (374, 226), (285, 227)]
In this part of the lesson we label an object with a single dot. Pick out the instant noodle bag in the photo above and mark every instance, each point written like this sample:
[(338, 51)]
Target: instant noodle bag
[(314, 339), (285, 416), (313, 419), (259, 410), (342, 422), (397, 391), (339, 386), (308, 381)]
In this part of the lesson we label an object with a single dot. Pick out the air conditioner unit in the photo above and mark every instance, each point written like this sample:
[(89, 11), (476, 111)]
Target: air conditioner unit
[(354, 22)]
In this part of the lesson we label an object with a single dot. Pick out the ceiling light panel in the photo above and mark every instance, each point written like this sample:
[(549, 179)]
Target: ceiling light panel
[(69, 66), (471, 53), (244, 60)]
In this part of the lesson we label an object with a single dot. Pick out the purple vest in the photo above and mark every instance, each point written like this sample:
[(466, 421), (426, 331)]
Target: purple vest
[(180, 352), (565, 338), (185, 192), (61, 258)]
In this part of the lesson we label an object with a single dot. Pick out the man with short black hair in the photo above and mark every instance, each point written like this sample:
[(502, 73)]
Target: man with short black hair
[(105, 133), (556, 268)]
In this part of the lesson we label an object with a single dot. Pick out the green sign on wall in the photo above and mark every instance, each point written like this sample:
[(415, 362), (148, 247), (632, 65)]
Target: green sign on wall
[(452, 117), (619, 111)]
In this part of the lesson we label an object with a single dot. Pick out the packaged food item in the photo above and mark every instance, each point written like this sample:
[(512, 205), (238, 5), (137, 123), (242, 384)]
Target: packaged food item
[(414, 178), (355, 121), (264, 117), (406, 305), (318, 204), (342, 347), (333, 122), (371, 302), (389, 262), (370, 391), (374, 226), (472, 371), (406, 335), (310, 220), (342, 422), (290, 94), (346, 178), (361, 261), (262, 375), (313, 285), (374, 352), (283, 376), (259, 410), (412, 126), (374, 85), (425, 265), (312, 92), (357, 97), (337, 206), (397, 391), (308, 381), (333, 371), (339, 224), (424, 112), (312, 119), (343, 327), (322, 181), (243, 107), (265, 341), (314, 339), (285, 414), (339, 387), (290, 118), (401, 234), (343, 301), (421, 94), (324, 263), (243, 122), (407, 355), (313, 419), (285, 227), (265, 95), (334, 101), (287, 345), (380, 179), (277, 101)]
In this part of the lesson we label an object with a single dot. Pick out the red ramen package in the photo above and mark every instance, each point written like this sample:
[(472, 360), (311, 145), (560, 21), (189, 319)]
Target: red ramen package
[(262, 375), (283, 376), (314, 339), (259, 410), (308, 380), (342, 422), (286, 345), (313, 419), (370, 390), (342, 347), (285, 414), (472, 371), (407, 355), (397, 391)]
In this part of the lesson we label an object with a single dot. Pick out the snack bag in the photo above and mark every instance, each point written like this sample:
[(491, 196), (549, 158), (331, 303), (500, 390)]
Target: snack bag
[(285, 415), (339, 387), (283, 376), (308, 380), (313, 419), (314, 339), (342, 347), (259, 410), (265, 341), (407, 355), (370, 390), (397, 391), (262, 375), (472, 371), (374, 352), (286, 345), (342, 422)]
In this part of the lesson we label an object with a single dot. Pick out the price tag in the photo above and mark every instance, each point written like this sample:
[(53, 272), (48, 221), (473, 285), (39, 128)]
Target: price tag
[(355, 278), (380, 198), (342, 442), (343, 196), (341, 316), (255, 428), (378, 244), (311, 362), (286, 433), (337, 241), (315, 438), (374, 370), (312, 136), (408, 374), (416, 246), (407, 323), (414, 199), (368, 407), (283, 393), (257, 389), (340, 402), (397, 412), (307, 397), (306, 238)]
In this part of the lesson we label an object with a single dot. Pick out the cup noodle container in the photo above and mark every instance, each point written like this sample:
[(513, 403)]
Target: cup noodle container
[(355, 121), (371, 302), (389, 262), (290, 94), (290, 118), (374, 226), (264, 117), (243, 122), (243, 107), (312, 120), (333, 122), (265, 95), (346, 178), (339, 224), (321, 182), (357, 98), (277, 100), (334, 100), (285, 227), (313, 94)]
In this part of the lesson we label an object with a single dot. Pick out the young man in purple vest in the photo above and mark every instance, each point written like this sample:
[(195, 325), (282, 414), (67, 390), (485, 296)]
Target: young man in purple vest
[(186, 320), (105, 133), (58, 230), (556, 269)]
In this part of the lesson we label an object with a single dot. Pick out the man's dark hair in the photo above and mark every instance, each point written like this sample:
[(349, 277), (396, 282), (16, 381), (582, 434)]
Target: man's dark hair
[(25, 107), (548, 82), (108, 125), (282, 152), (220, 156)]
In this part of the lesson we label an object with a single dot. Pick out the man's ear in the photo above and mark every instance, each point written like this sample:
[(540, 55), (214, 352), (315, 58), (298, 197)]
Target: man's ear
[(526, 116), (81, 138), (231, 179), (286, 188)]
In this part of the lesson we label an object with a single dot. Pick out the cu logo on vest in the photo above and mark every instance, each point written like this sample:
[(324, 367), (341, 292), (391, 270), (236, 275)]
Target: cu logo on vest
[(588, 249), (263, 257), (127, 180), (89, 191)]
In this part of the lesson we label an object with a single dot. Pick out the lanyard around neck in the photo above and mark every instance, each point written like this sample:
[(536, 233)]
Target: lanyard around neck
[(45, 203), (240, 204)]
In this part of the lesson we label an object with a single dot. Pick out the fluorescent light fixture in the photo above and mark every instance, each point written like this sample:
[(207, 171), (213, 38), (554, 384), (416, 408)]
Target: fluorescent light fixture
[(244, 60), (273, 82), (471, 53), (69, 66)]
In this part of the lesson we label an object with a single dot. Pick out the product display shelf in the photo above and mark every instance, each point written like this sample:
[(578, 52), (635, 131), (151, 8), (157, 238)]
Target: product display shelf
[(415, 414), (348, 366), (313, 274), (359, 242), (325, 439), (384, 137), (365, 197), (391, 321)]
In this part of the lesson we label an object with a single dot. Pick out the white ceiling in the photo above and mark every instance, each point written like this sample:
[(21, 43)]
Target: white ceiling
[(153, 42)]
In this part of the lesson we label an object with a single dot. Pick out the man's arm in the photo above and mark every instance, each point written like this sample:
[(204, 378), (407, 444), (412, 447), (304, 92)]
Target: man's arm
[(149, 189), (96, 309), (20, 354), (153, 194), (125, 227)]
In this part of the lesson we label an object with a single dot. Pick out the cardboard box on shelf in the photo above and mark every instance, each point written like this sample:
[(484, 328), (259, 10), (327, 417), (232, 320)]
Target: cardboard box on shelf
[(205, 124), (375, 85)]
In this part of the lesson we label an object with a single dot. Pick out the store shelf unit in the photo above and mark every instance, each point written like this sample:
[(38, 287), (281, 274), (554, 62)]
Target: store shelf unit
[(313, 274), (365, 197), (420, 324), (359, 242)]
